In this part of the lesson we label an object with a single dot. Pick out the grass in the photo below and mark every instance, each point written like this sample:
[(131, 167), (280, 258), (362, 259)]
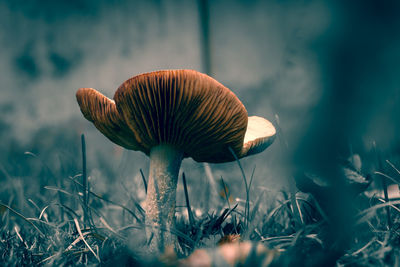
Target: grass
[(60, 219)]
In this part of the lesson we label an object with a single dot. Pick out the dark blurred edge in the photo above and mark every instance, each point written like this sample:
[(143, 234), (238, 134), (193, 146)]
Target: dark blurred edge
[(343, 112)]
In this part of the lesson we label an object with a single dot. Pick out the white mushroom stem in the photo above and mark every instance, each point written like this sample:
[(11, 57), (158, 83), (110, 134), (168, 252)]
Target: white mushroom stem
[(165, 161)]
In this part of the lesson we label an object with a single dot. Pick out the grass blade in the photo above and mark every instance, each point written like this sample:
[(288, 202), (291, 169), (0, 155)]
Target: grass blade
[(387, 176), (22, 217), (224, 186), (83, 239), (85, 184), (190, 214), (247, 205), (144, 180), (105, 223), (394, 167), (112, 202), (58, 189), (367, 212), (384, 187)]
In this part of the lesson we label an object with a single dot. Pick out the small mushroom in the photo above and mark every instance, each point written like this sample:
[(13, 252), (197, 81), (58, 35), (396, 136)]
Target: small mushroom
[(170, 115)]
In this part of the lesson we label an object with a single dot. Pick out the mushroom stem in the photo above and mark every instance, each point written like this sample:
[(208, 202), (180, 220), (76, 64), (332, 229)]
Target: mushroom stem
[(165, 161)]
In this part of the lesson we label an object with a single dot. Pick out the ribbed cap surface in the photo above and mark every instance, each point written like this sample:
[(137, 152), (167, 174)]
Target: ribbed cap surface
[(184, 108)]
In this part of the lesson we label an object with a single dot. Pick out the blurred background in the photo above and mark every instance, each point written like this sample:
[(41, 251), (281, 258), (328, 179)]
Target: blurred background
[(283, 59)]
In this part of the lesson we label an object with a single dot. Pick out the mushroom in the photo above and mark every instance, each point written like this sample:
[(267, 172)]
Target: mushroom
[(170, 115)]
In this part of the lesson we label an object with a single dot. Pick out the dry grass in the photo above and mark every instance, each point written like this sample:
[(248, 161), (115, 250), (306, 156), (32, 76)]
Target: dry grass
[(51, 218)]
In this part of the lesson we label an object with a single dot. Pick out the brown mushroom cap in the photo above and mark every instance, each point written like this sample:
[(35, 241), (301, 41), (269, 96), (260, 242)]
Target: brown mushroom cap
[(184, 108), (102, 111)]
